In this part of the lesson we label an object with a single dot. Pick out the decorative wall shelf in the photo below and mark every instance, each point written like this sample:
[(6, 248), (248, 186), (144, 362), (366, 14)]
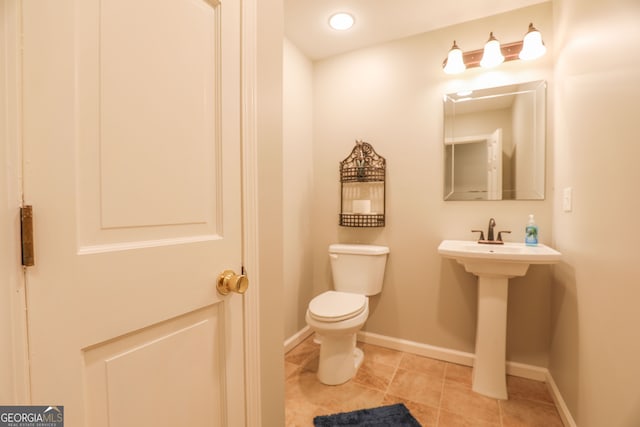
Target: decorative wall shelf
[(362, 179)]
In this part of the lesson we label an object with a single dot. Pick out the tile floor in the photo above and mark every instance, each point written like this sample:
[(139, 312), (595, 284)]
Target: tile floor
[(437, 393)]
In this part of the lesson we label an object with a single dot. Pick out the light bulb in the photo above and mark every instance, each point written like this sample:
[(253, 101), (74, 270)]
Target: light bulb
[(532, 45), (454, 64), (492, 55)]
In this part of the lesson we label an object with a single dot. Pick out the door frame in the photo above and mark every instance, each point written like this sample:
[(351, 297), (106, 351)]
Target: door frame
[(249, 200), (12, 144), (17, 361)]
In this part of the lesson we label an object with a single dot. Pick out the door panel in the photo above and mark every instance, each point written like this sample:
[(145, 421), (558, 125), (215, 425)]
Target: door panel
[(161, 61), (132, 164), (151, 150), (162, 357)]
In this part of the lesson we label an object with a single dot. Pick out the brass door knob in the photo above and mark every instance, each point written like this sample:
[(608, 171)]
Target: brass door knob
[(229, 281)]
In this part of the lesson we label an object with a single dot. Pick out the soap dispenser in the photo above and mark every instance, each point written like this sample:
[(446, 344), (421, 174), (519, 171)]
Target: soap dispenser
[(531, 232)]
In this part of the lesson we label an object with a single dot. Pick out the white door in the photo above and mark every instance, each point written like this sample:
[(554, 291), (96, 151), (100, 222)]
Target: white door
[(132, 164)]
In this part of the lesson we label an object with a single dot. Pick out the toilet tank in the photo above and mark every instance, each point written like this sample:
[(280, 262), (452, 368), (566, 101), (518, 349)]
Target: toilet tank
[(358, 268)]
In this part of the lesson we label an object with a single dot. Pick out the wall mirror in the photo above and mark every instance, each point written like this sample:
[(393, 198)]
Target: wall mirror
[(494, 143)]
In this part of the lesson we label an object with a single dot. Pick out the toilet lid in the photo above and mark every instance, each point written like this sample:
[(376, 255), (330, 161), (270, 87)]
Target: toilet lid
[(333, 306)]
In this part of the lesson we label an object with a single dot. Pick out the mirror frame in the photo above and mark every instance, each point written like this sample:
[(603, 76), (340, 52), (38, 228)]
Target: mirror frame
[(527, 185)]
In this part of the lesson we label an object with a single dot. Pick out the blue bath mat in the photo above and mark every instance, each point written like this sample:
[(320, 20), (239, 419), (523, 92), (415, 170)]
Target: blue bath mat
[(383, 416)]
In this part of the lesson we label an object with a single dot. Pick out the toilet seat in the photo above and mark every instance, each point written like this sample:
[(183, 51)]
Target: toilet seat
[(334, 306)]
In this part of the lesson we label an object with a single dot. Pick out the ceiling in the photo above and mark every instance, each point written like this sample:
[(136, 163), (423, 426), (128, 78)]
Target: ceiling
[(377, 21)]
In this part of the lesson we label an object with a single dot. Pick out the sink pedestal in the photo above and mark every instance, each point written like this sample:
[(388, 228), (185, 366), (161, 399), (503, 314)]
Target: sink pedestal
[(489, 366), (494, 265), (489, 374)]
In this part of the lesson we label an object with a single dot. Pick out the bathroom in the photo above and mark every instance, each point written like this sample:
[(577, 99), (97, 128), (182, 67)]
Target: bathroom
[(575, 319)]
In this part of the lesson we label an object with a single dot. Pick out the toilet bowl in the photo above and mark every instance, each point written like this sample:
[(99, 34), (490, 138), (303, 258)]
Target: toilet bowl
[(337, 315)]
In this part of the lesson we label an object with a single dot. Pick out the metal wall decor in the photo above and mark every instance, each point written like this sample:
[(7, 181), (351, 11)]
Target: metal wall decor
[(362, 179)]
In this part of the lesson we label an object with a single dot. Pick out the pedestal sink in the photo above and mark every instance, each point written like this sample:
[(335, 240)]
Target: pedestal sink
[(494, 265)]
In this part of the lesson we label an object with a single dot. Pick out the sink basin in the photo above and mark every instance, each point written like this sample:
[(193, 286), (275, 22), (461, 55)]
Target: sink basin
[(507, 260), (509, 251), (494, 265)]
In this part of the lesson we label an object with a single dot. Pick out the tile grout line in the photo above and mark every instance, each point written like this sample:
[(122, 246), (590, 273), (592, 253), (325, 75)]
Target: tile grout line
[(395, 372), (444, 377), (500, 413)]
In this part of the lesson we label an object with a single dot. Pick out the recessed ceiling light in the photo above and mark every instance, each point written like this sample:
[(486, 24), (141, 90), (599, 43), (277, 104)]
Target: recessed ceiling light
[(341, 21)]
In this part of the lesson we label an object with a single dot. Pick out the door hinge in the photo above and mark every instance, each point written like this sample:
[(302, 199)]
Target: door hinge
[(26, 227)]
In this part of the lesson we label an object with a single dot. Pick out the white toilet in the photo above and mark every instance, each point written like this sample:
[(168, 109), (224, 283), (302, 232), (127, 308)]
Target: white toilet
[(336, 316)]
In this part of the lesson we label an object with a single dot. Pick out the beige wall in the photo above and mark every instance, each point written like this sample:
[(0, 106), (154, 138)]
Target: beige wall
[(595, 343), (297, 159), (391, 96)]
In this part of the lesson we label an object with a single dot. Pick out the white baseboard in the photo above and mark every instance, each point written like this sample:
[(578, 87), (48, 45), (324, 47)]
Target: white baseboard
[(297, 338), (448, 355), (453, 356), (523, 370), (567, 419)]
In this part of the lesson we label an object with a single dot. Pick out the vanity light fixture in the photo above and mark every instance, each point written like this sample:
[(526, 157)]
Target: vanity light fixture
[(494, 54), (341, 21)]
